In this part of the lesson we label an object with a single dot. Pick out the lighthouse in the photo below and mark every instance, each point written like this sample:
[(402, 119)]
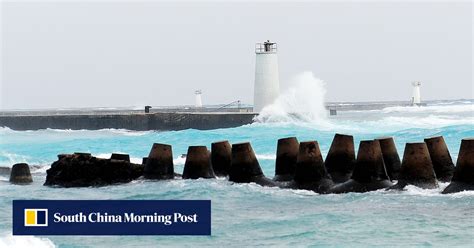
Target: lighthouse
[(267, 83), (416, 99), (198, 102)]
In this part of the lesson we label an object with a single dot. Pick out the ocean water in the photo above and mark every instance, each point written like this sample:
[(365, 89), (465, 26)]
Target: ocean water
[(251, 215)]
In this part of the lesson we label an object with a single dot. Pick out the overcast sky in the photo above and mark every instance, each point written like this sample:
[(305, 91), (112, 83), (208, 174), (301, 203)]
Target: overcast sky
[(86, 54)]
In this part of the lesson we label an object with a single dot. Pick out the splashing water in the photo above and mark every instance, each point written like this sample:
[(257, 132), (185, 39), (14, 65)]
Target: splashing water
[(382, 213), (7, 240), (302, 102)]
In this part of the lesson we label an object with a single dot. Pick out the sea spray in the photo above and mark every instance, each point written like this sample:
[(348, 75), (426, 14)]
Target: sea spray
[(382, 212), (302, 102), (8, 240)]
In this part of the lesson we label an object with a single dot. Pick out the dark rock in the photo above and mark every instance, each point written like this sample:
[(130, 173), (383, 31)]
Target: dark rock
[(340, 160), (82, 154), (119, 156), (310, 173), (369, 172), (417, 168), (159, 164), (455, 187), (83, 171), (221, 157), (60, 156), (285, 164), (20, 174), (463, 178), (442, 162), (390, 157), (198, 163), (245, 167)]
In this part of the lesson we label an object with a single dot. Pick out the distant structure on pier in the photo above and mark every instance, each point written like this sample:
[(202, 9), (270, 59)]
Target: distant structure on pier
[(267, 82), (198, 103), (416, 99)]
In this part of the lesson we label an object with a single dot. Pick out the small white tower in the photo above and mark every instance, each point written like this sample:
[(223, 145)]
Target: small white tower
[(267, 83), (416, 99), (198, 103)]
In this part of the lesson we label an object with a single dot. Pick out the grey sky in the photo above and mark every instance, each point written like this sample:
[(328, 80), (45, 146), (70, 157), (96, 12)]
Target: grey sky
[(84, 54)]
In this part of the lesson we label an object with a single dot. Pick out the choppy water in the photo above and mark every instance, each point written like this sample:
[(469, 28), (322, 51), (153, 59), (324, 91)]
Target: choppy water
[(247, 214)]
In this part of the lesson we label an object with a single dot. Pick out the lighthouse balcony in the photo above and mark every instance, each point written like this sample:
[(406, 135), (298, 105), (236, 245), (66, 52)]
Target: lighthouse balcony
[(266, 47)]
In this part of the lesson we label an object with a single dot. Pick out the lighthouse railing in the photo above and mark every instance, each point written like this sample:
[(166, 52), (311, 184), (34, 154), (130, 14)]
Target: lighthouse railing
[(260, 48)]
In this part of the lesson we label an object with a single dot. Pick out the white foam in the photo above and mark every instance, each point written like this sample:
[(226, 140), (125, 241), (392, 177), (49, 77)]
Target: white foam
[(13, 159), (462, 194), (127, 132), (413, 190), (179, 160), (454, 102), (266, 156), (114, 131), (104, 155), (11, 241), (302, 102), (40, 169), (136, 160), (458, 108), (5, 129), (430, 121), (398, 123), (124, 132)]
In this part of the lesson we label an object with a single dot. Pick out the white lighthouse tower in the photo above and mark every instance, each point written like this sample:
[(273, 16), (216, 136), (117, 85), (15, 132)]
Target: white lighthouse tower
[(416, 99), (267, 82), (198, 103)]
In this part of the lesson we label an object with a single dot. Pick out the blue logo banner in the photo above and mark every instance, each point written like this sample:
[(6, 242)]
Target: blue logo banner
[(111, 217)]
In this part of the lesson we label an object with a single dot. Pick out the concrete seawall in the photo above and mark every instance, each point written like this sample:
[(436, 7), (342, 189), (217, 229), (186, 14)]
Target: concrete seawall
[(139, 122)]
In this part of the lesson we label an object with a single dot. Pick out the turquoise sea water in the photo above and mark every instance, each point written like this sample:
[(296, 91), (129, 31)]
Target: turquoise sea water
[(251, 215)]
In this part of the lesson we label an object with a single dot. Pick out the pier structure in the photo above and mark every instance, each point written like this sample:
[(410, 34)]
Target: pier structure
[(137, 121), (233, 114)]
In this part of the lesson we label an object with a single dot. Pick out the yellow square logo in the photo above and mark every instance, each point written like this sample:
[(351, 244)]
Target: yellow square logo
[(36, 217)]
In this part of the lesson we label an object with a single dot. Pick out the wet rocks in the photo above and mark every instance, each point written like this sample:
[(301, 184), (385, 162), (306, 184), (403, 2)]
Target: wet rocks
[(340, 160), (245, 167), (20, 174), (440, 157), (417, 168), (221, 157), (159, 164), (310, 173), (369, 172), (463, 178), (390, 157), (198, 163), (83, 170), (285, 164), (120, 156)]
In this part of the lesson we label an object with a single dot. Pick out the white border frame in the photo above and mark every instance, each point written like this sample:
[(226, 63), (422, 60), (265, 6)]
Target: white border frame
[(36, 215)]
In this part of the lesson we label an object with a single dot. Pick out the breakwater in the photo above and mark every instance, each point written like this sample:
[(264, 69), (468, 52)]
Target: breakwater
[(130, 121), (304, 169)]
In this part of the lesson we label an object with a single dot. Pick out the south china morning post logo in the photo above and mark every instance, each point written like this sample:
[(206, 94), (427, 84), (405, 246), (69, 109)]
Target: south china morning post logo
[(111, 217), (36, 217), (99, 217)]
